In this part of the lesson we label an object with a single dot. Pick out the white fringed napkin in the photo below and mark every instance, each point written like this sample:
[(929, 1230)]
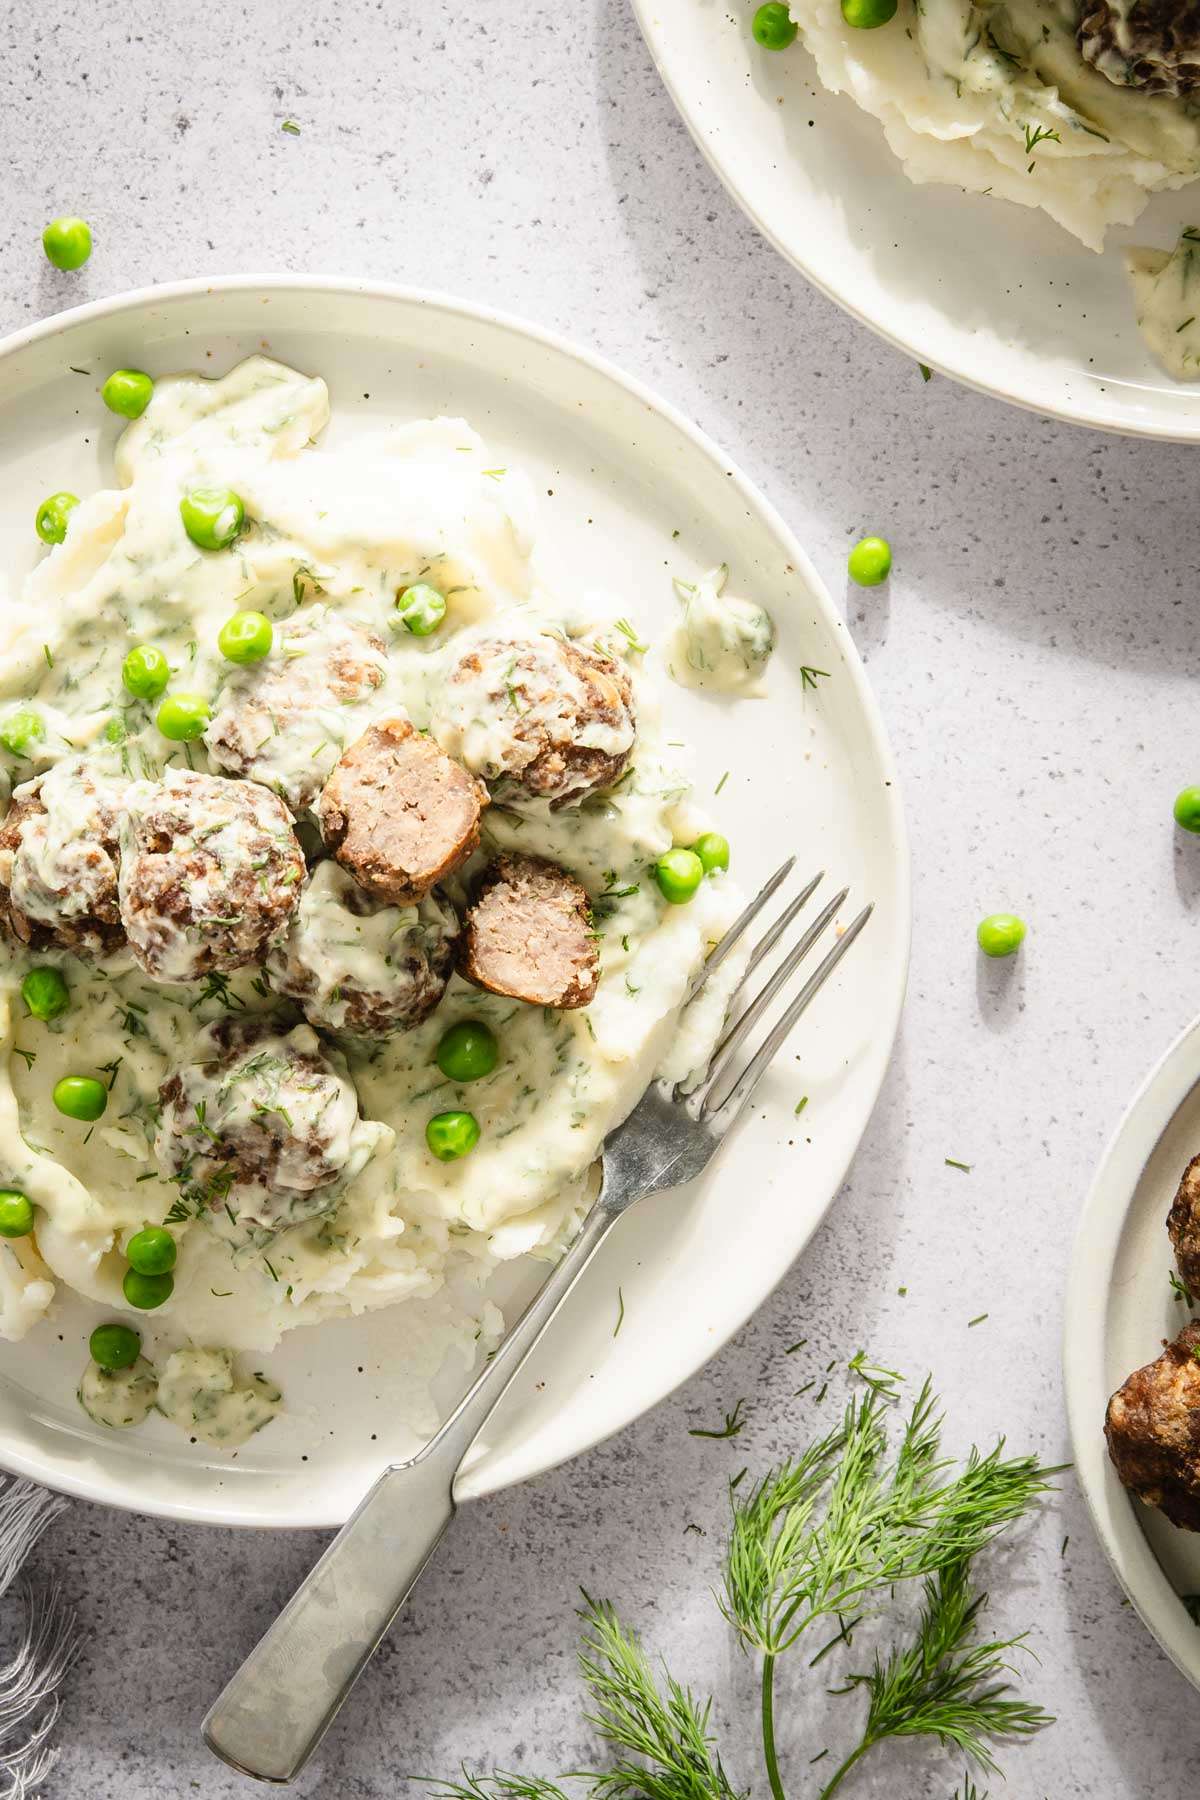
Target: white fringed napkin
[(45, 1643)]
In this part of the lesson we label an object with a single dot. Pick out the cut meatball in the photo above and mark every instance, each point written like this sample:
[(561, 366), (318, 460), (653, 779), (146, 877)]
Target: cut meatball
[(528, 933), (210, 874), (285, 721), (1153, 45), (398, 813), (1183, 1226), (356, 964), (58, 860), (262, 1120), (1153, 1431), (538, 718)]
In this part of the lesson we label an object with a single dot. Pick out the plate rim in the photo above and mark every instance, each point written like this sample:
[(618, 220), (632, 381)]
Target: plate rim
[(1027, 402), (1101, 1222), (891, 1006)]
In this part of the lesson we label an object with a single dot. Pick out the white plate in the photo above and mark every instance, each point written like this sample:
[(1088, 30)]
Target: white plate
[(631, 495), (993, 293), (1119, 1309)]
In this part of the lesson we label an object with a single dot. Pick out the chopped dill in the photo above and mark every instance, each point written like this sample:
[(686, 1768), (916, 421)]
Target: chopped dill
[(732, 1426)]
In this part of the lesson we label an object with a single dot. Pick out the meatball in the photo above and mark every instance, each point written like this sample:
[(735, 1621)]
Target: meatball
[(262, 1120), (356, 964), (210, 874), (58, 860), (528, 933), (539, 718), (1183, 1225), (1153, 45), (284, 721), (1153, 1431), (398, 813)]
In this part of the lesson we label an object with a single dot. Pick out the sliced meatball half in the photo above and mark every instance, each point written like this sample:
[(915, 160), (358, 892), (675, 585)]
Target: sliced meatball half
[(539, 717), (1153, 45), (528, 933), (58, 860), (357, 964), (398, 813), (1183, 1226), (1153, 1431), (210, 874), (286, 720)]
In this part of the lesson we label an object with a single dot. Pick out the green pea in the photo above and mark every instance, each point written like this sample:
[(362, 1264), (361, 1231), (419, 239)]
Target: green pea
[(1000, 934), (80, 1096), (713, 851), (151, 1251), (127, 392), (212, 517), (678, 874), (45, 993), (773, 26), (114, 731), (452, 1134), (467, 1051), (115, 1346), (421, 607), (867, 15), (183, 717), (246, 637), (21, 730), (16, 1213), (147, 1291), (51, 521), (67, 242), (870, 561), (1187, 809), (145, 672)]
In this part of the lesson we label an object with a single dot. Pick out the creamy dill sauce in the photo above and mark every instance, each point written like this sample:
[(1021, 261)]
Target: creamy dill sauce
[(1166, 297), (719, 642), (331, 537), (119, 1398)]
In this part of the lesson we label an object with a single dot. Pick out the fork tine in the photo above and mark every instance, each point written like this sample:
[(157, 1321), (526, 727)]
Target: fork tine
[(724, 1115), (744, 918), (748, 1018), (772, 935)]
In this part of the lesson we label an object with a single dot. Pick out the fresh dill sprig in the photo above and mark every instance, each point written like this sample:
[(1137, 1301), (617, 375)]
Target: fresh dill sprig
[(732, 1426), (499, 1785)]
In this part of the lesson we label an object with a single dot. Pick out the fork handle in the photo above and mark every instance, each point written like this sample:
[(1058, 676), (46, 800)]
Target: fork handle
[(281, 1701)]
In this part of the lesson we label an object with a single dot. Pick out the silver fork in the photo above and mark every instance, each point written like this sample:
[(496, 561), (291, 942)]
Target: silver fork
[(279, 1704)]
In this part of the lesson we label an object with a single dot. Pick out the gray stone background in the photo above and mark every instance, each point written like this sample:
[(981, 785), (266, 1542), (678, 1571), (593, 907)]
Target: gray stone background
[(1036, 661)]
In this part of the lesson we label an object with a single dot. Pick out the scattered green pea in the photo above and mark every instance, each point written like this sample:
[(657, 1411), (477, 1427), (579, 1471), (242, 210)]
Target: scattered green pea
[(773, 26), (151, 1251), (51, 521), (678, 873), (421, 607), (713, 851), (115, 1346), (182, 717), (145, 672), (22, 730), (868, 15), (67, 242), (45, 993), (452, 1134), (467, 1051), (1000, 934), (16, 1213), (80, 1096), (212, 517), (246, 637), (870, 561), (1187, 809), (147, 1291), (127, 392)]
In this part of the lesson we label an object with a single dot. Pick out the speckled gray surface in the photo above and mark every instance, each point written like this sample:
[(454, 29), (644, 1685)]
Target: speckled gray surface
[(1036, 660)]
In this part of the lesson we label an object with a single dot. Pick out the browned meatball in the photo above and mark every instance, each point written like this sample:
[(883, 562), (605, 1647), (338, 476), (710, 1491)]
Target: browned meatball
[(1153, 1431), (284, 721), (1153, 45), (1183, 1226), (356, 964), (528, 933), (210, 874), (58, 861), (398, 813), (539, 717), (261, 1119)]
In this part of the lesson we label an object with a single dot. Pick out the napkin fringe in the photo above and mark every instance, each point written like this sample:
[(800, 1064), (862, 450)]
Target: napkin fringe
[(46, 1643)]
